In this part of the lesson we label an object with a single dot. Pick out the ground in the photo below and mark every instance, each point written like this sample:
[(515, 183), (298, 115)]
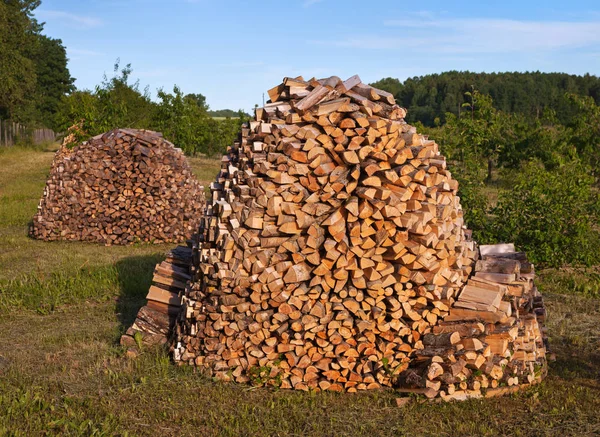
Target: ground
[(63, 307)]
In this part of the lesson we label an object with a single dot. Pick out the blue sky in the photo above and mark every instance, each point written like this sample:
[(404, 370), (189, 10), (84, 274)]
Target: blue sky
[(233, 51)]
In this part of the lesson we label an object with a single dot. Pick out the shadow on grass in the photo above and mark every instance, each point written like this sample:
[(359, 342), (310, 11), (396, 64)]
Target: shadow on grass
[(135, 277), (572, 366)]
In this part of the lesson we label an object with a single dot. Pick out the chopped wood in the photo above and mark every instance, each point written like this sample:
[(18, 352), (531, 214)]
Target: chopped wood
[(342, 261), (121, 187)]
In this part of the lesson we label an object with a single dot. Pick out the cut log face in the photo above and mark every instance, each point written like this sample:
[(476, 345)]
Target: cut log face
[(121, 187), (342, 262)]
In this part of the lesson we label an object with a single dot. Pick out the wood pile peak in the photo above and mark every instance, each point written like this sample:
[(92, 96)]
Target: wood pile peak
[(121, 187), (332, 255)]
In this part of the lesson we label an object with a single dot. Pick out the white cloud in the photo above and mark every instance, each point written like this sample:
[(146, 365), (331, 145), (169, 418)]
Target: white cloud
[(477, 35), (73, 20)]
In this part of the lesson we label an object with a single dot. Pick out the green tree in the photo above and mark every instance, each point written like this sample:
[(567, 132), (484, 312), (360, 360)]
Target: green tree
[(18, 38), (528, 93), (53, 79), (114, 103), (585, 130), (199, 100), (552, 215), (389, 84), (481, 128), (188, 125), (183, 121)]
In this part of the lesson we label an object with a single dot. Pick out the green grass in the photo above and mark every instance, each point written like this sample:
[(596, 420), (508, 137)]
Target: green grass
[(63, 307)]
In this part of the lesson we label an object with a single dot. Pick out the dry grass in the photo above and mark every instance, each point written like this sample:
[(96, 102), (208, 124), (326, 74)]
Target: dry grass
[(63, 307)]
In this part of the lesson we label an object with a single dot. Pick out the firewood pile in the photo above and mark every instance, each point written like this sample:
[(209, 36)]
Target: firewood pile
[(121, 187), (333, 256), (492, 339), (156, 319)]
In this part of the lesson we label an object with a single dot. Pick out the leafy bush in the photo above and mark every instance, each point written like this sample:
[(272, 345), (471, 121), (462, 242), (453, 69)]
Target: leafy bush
[(115, 103), (185, 121), (551, 215)]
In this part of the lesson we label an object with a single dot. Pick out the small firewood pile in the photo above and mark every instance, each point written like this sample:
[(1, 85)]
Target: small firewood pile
[(121, 187), (156, 319), (492, 339), (333, 256)]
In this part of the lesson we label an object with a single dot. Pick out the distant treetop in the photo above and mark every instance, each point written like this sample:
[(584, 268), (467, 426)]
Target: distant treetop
[(432, 96), (227, 113)]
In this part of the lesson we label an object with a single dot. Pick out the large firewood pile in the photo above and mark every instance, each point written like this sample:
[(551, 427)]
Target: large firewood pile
[(333, 256), (119, 188)]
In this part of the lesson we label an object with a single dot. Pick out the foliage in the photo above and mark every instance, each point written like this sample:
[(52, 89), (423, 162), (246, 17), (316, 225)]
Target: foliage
[(199, 100), (432, 96), (189, 125), (551, 215), (482, 130), (114, 103), (549, 206), (222, 134), (541, 138), (18, 30), (473, 142), (183, 119), (585, 130), (53, 79), (582, 281), (33, 67), (224, 113)]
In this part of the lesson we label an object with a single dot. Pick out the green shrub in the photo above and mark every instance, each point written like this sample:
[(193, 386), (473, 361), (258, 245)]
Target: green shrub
[(551, 215)]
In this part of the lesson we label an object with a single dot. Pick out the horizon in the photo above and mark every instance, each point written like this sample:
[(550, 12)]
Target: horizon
[(238, 53)]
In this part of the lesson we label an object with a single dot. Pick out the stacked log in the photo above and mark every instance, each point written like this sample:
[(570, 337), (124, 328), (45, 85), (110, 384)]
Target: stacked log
[(122, 187), (332, 247), (492, 337), (155, 320)]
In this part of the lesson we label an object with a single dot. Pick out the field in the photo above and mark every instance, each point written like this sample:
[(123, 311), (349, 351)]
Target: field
[(63, 307)]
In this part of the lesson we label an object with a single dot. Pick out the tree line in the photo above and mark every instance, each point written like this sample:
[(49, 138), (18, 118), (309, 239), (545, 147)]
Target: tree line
[(432, 96)]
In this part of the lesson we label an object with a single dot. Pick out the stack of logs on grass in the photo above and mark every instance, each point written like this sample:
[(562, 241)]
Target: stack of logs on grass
[(156, 319), (333, 256), (491, 340), (119, 188)]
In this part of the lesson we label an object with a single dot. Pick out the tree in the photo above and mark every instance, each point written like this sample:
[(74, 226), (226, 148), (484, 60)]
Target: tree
[(199, 100), (551, 214), (389, 84), (480, 130), (430, 97), (33, 67), (114, 103), (18, 37), (53, 79), (585, 130), (182, 120)]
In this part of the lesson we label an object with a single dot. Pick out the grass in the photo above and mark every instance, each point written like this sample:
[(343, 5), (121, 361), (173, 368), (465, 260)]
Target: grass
[(63, 307)]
